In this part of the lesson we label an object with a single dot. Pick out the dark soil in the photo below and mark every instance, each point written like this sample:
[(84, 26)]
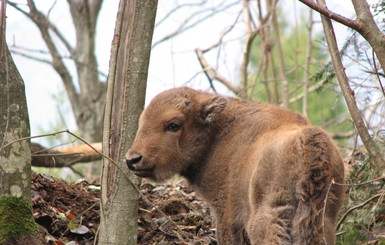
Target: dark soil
[(69, 213)]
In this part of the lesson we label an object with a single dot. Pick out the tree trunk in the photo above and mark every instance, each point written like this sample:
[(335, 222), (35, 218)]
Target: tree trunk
[(16, 221), (89, 113), (125, 100), (348, 93), (87, 101)]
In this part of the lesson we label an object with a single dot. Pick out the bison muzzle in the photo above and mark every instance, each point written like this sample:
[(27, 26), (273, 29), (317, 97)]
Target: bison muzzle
[(265, 171)]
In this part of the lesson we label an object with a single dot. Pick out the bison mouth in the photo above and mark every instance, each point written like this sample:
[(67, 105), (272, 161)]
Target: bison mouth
[(140, 167), (140, 171), (143, 173)]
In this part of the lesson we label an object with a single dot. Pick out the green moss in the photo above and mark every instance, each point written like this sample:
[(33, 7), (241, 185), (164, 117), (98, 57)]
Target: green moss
[(15, 218)]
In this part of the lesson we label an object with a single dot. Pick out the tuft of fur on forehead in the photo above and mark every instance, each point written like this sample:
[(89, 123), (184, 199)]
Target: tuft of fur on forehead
[(173, 97)]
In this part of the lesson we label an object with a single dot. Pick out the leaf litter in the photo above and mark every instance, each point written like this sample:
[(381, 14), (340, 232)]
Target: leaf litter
[(69, 213)]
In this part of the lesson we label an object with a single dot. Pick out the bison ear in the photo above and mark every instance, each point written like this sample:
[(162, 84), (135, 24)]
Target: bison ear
[(213, 107)]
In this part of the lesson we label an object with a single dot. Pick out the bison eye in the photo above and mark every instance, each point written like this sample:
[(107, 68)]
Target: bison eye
[(173, 127)]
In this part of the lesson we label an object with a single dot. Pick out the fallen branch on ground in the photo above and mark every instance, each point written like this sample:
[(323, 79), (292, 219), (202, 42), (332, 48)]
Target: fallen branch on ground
[(64, 156)]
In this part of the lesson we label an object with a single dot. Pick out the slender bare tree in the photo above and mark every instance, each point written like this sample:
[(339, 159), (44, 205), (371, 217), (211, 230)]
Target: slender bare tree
[(87, 101), (128, 71)]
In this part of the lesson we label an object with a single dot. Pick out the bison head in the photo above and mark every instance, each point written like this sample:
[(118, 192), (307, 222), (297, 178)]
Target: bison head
[(174, 134)]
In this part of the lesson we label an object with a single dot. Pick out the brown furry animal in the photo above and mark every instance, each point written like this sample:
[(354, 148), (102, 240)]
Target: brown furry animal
[(265, 171)]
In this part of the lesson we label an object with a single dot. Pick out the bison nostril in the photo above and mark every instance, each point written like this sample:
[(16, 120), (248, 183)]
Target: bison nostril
[(133, 160)]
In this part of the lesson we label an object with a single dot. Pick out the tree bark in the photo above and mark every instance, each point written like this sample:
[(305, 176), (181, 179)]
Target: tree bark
[(125, 100), (369, 29), (16, 221)]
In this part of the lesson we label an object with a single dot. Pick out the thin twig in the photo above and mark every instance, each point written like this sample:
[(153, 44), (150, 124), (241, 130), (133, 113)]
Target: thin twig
[(184, 26), (45, 61), (230, 28), (57, 154), (307, 64), (214, 74), (281, 59), (378, 76), (334, 16), (309, 90), (354, 208), (33, 137), (250, 35), (360, 184), (324, 210), (206, 73), (178, 7)]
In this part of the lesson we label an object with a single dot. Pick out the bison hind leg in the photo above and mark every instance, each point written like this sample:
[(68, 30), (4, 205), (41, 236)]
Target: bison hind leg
[(271, 225), (312, 187), (288, 206)]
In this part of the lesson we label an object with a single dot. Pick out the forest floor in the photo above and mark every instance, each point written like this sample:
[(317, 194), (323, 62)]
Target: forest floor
[(69, 213)]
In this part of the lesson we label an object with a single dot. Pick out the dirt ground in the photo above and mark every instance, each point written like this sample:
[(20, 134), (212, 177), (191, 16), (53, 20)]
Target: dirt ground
[(69, 213)]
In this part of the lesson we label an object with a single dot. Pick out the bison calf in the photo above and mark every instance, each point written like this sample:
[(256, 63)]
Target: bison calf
[(265, 171)]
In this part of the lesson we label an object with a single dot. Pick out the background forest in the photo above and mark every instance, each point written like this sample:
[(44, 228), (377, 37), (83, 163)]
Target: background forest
[(269, 51)]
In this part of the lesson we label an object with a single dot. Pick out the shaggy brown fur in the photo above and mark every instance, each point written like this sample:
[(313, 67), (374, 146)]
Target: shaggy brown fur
[(265, 171)]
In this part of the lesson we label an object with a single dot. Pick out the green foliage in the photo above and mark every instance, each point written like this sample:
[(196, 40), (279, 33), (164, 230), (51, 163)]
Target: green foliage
[(366, 218), (15, 218)]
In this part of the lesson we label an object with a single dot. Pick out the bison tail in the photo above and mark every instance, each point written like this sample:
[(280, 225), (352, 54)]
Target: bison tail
[(313, 186)]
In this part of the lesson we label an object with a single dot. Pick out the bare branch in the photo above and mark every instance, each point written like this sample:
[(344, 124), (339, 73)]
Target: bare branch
[(230, 28), (266, 47), (378, 75), (178, 7), (63, 157), (206, 73), (364, 24), (302, 95), (184, 26), (57, 62), (31, 57), (281, 60), (354, 208), (369, 29), (214, 74), (51, 26), (250, 36), (330, 14), (307, 64), (343, 135)]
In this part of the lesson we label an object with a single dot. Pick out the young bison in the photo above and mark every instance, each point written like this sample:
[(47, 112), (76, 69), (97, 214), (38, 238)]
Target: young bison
[(265, 171)]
